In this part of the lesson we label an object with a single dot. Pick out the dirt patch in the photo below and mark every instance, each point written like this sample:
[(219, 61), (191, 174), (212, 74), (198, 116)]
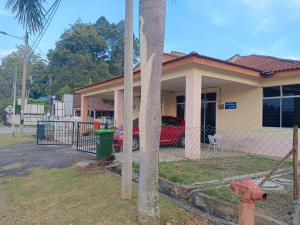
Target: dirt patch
[(95, 164)]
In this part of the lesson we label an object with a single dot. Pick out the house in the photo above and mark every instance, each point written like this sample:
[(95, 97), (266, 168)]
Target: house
[(97, 108), (261, 92)]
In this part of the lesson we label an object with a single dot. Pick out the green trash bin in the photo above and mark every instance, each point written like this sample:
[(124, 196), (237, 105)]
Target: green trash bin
[(40, 131), (104, 143)]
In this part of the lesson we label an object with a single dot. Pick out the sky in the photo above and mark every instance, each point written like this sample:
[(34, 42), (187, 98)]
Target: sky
[(216, 28)]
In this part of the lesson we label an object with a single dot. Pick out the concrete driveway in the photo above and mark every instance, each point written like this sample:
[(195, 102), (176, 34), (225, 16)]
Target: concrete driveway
[(17, 160)]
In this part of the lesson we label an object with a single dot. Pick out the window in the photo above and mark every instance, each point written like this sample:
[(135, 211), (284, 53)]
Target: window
[(170, 121), (180, 104), (281, 106), (271, 113), (272, 91), (209, 96)]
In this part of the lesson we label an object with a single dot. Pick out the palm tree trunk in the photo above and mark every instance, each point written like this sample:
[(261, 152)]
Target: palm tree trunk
[(152, 26), (128, 100)]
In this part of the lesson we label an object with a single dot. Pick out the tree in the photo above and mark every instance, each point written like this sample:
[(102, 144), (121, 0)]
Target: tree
[(37, 74), (152, 24), (128, 101), (38, 82), (78, 58), (114, 36), (29, 13), (88, 53)]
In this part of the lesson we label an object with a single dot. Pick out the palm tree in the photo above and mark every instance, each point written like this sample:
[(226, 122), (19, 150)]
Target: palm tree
[(30, 14), (128, 100), (152, 27)]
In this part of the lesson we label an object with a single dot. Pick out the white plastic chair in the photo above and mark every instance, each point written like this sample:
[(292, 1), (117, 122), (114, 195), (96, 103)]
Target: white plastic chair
[(212, 142), (220, 140)]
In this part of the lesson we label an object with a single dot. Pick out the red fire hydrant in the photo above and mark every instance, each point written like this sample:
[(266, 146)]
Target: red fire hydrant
[(248, 193)]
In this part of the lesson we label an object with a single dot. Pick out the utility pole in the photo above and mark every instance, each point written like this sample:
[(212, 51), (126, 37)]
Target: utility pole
[(14, 98), (50, 99), (24, 77), (126, 190)]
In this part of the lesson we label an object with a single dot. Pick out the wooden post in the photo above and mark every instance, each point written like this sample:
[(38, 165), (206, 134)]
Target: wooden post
[(295, 163), (296, 214)]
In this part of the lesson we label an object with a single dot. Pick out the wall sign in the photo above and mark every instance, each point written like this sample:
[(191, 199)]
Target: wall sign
[(230, 105)]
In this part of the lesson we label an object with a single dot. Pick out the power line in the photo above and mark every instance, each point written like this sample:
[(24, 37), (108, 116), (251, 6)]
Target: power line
[(52, 11), (42, 53)]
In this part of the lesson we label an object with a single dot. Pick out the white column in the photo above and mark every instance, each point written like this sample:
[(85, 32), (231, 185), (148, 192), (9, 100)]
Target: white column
[(118, 107), (193, 87)]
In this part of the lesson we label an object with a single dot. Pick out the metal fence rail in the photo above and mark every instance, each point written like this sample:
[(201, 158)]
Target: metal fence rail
[(55, 132), (86, 136)]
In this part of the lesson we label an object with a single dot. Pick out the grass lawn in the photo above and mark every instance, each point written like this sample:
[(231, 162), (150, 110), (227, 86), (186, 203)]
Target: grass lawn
[(192, 171), (69, 196), (6, 140)]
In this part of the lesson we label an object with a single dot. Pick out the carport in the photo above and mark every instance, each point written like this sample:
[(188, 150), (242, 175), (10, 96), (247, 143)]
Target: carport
[(194, 87)]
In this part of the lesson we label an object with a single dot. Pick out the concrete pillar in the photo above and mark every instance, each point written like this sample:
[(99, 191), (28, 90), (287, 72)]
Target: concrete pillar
[(193, 88), (84, 108), (118, 107)]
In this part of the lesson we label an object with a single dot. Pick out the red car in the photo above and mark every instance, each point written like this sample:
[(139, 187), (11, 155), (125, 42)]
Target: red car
[(172, 133)]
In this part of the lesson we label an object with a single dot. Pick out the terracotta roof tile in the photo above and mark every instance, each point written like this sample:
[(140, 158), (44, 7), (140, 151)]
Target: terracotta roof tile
[(265, 64)]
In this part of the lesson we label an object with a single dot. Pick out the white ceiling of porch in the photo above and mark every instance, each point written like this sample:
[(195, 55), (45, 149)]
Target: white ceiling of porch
[(178, 84)]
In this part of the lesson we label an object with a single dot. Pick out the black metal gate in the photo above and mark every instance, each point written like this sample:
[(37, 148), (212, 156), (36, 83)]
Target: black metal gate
[(82, 135), (86, 136), (55, 132)]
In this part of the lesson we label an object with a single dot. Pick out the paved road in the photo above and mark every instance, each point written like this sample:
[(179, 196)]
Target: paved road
[(8, 130), (16, 160)]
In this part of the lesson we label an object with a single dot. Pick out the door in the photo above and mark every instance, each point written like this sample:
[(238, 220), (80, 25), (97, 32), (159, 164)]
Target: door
[(208, 116)]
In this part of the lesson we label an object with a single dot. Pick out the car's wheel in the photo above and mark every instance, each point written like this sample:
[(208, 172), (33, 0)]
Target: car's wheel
[(182, 141), (135, 143)]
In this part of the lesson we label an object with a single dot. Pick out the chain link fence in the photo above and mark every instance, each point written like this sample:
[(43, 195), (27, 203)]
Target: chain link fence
[(234, 153)]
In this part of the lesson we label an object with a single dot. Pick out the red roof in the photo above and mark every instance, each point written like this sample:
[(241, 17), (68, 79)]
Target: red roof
[(265, 64), (94, 104)]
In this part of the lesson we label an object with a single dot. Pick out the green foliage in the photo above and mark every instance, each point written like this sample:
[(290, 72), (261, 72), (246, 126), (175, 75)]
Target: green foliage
[(223, 192), (114, 35), (3, 104), (29, 13), (135, 165), (37, 74), (88, 53), (64, 90), (78, 58)]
